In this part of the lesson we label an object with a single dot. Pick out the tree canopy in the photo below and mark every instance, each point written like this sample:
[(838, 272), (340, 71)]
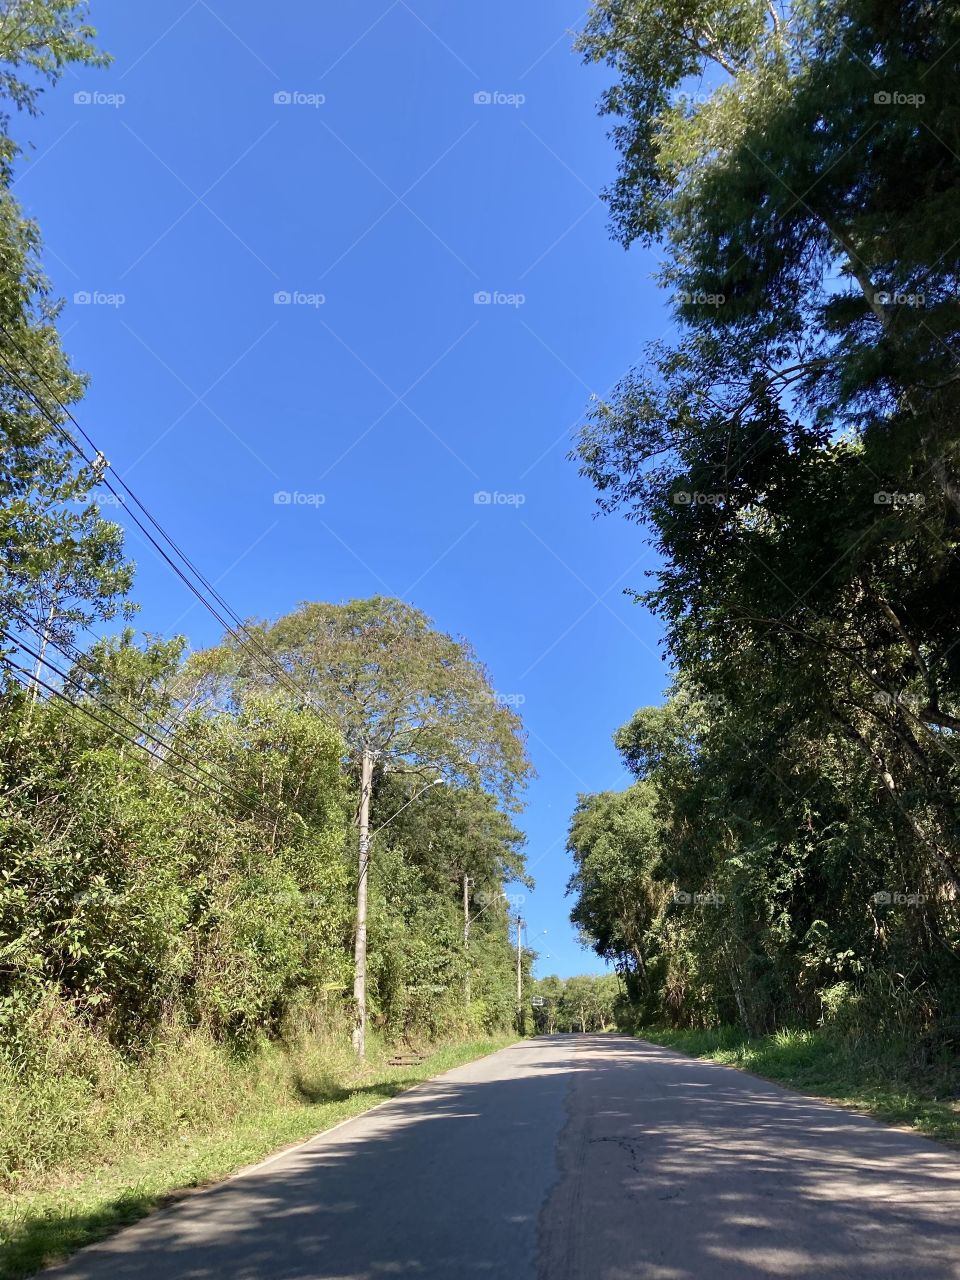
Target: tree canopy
[(415, 697), (793, 456)]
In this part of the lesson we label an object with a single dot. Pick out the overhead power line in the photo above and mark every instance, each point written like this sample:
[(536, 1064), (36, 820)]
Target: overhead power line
[(80, 659), (236, 627), (142, 732), (32, 679)]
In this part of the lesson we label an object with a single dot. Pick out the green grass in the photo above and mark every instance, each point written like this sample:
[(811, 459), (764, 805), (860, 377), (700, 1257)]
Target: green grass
[(118, 1173), (882, 1081)]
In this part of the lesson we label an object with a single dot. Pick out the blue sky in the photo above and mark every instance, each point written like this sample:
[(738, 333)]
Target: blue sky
[(180, 197)]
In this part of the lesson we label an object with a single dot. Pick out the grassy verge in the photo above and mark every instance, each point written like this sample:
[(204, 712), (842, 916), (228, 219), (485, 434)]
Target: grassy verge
[(882, 1082), (279, 1098)]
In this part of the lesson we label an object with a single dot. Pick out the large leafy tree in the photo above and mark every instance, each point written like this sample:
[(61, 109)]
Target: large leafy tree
[(405, 698), (794, 453), (615, 839), (416, 698)]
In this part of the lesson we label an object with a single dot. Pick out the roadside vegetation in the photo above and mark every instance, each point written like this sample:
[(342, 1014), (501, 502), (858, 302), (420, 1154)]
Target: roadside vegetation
[(898, 1083), (191, 1114), (182, 888), (785, 862)]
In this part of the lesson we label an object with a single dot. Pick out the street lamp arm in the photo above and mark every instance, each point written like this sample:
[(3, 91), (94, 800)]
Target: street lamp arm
[(434, 783)]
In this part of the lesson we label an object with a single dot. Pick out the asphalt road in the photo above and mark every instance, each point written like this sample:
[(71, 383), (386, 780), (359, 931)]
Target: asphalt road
[(570, 1158)]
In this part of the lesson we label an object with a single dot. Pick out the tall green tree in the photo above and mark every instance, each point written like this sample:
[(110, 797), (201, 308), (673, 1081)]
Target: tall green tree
[(794, 454), (405, 698), (61, 563), (414, 697), (616, 842)]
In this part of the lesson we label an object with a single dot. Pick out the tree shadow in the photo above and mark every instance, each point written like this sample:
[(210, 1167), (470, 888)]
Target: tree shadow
[(327, 1089), (666, 1168)]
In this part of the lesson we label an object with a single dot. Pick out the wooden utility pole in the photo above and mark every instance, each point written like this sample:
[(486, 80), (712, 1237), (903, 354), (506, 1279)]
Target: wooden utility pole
[(360, 950), (519, 977), (466, 938)]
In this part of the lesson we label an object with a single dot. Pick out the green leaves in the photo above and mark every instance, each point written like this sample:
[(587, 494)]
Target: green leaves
[(663, 130), (581, 1003), (795, 459), (414, 696)]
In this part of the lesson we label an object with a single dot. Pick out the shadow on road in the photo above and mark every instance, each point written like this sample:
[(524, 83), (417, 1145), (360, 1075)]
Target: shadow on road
[(666, 1169), (676, 1169)]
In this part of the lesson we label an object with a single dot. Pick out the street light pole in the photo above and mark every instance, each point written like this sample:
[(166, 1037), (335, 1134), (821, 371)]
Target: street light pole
[(360, 946), (363, 876), (466, 937), (519, 976)]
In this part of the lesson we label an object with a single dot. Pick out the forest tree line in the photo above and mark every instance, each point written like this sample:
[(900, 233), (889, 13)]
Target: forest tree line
[(788, 852), (585, 1002)]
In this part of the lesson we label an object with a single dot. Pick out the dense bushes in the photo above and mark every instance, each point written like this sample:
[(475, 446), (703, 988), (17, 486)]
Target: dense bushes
[(135, 896), (196, 903), (721, 904)]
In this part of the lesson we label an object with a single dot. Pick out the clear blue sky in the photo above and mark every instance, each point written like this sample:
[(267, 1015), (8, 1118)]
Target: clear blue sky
[(398, 397)]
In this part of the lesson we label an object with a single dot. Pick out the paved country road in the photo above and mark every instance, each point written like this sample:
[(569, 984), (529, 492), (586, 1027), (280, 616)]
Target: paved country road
[(570, 1158)]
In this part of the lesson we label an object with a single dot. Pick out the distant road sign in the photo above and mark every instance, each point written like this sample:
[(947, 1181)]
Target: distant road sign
[(537, 1001)]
